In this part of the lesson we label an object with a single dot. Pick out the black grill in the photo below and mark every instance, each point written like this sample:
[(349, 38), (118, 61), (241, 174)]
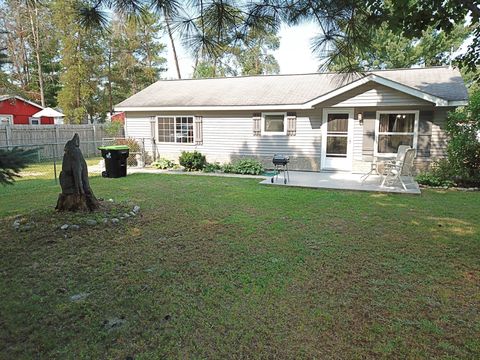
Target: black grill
[(279, 159), (280, 163)]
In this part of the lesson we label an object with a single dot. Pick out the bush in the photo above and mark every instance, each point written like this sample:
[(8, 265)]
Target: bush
[(463, 149), (192, 161), (245, 166), (431, 179), (114, 128), (163, 164), (212, 167)]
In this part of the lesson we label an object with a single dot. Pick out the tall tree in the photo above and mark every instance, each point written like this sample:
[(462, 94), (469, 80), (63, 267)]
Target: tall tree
[(388, 49)]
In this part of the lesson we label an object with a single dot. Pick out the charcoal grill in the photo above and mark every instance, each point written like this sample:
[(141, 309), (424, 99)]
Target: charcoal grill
[(280, 163)]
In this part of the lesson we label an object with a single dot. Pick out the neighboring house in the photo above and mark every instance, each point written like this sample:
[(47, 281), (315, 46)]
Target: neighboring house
[(322, 121), (118, 117), (15, 110)]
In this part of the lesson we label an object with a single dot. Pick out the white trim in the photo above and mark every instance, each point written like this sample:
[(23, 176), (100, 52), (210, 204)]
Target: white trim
[(24, 100), (273, 133), (458, 103), (157, 139), (377, 129), (10, 119), (349, 159), (215, 108)]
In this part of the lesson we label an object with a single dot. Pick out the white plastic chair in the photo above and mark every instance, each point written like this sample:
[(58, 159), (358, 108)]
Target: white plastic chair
[(395, 171)]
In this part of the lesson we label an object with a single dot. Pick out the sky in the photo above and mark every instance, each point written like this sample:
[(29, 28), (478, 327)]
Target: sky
[(294, 55)]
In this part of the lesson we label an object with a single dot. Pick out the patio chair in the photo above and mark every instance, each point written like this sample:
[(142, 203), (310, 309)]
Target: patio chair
[(386, 164), (396, 171)]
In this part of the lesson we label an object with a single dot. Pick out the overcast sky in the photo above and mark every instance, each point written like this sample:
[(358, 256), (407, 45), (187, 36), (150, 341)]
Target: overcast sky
[(294, 54)]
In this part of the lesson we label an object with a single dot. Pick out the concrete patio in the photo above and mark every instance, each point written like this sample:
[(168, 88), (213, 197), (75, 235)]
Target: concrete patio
[(343, 181)]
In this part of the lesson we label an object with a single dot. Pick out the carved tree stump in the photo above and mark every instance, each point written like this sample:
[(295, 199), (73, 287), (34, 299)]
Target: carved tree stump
[(76, 192), (77, 202)]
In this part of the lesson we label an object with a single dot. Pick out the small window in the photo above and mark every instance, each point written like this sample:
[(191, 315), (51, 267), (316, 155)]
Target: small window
[(395, 129), (175, 129), (274, 123), (6, 119), (34, 121)]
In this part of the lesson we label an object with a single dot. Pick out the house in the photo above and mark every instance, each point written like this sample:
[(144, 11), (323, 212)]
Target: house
[(15, 110), (323, 121)]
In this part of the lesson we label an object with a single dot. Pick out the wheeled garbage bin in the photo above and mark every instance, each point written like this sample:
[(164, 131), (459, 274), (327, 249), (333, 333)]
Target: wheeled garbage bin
[(115, 160)]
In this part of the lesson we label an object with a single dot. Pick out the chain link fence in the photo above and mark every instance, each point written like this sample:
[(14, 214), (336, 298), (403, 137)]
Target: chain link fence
[(46, 161)]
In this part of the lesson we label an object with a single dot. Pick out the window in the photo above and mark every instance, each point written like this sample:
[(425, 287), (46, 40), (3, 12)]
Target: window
[(6, 119), (274, 124), (34, 121), (395, 129), (175, 129)]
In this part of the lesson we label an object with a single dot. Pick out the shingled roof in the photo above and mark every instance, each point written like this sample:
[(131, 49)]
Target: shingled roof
[(439, 83)]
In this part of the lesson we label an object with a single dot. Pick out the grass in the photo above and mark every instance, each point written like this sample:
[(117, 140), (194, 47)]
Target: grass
[(227, 268), (45, 169)]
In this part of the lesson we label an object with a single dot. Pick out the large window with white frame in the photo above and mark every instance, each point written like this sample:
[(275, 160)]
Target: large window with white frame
[(274, 124), (395, 128), (175, 129)]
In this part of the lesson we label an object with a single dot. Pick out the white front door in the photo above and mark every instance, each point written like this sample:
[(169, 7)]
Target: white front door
[(337, 134)]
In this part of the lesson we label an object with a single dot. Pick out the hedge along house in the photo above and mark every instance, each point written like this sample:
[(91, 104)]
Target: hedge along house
[(322, 121)]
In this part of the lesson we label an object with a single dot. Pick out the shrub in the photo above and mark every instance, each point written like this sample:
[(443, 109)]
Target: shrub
[(212, 167), (463, 149), (431, 179), (113, 128), (192, 161), (163, 164), (134, 147), (244, 166)]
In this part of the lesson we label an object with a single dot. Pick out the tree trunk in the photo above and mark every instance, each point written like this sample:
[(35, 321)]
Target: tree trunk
[(36, 43), (170, 35), (77, 202)]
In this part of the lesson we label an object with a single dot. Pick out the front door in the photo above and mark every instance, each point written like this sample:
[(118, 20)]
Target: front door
[(337, 133)]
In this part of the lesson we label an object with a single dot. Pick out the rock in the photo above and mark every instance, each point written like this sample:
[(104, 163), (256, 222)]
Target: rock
[(105, 220), (25, 227), (115, 220), (126, 215), (111, 200), (75, 227), (16, 224), (136, 209), (114, 323), (64, 227), (78, 297), (132, 213), (91, 222)]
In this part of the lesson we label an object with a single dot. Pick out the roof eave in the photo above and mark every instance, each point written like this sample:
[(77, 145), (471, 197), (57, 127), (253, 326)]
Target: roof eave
[(214, 108)]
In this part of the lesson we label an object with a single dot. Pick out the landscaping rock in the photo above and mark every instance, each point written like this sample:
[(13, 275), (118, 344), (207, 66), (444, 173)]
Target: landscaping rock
[(136, 209), (132, 213), (78, 297), (105, 220), (126, 215), (26, 227), (16, 224), (115, 220), (91, 222), (114, 323), (74, 227), (111, 200), (64, 227)]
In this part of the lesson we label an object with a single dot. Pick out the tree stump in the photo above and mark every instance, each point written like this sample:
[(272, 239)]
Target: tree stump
[(76, 192)]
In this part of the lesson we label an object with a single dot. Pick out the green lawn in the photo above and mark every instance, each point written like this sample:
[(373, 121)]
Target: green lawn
[(227, 268)]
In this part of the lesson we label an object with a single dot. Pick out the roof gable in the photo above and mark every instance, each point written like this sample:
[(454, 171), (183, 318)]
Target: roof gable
[(8, 97)]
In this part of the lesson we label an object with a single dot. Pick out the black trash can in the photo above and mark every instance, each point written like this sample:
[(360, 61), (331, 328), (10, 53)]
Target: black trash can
[(115, 160)]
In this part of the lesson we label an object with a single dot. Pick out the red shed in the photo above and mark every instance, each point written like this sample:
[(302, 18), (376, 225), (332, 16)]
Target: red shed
[(18, 111)]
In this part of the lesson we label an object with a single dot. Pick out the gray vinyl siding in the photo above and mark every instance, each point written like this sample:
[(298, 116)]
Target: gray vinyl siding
[(376, 95), (227, 137)]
